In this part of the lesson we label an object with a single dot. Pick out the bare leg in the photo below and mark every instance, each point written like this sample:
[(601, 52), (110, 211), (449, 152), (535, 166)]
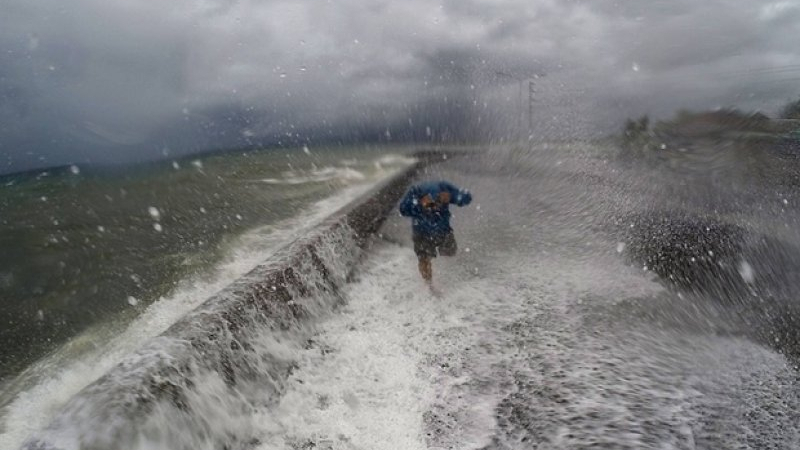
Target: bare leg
[(426, 270)]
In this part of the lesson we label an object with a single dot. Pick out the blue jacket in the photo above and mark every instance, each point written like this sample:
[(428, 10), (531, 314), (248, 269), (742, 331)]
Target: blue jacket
[(432, 221)]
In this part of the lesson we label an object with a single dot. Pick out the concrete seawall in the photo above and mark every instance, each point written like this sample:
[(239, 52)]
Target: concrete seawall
[(218, 349)]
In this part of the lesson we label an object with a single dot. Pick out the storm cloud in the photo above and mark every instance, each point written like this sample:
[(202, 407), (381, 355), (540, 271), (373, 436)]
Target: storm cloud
[(129, 80)]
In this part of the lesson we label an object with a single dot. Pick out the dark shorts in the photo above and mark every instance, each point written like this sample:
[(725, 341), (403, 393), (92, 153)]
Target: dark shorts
[(431, 246)]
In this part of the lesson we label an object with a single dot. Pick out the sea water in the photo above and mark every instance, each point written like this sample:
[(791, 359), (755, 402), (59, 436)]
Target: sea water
[(97, 260)]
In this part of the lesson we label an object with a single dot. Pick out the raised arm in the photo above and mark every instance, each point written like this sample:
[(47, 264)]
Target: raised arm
[(409, 206), (459, 197)]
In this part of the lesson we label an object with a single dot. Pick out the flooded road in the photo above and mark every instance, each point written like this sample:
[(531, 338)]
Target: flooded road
[(549, 334)]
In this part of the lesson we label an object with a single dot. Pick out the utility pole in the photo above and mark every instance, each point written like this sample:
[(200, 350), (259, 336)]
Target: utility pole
[(530, 106), (520, 106), (519, 110)]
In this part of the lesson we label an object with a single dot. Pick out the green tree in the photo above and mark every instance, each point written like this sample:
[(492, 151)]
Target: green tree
[(637, 135), (636, 128), (791, 110)]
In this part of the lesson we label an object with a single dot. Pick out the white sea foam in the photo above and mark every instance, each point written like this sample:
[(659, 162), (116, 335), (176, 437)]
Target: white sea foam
[(395, 159), (357, 385), (346, 175), (376, 373), (400, 369)]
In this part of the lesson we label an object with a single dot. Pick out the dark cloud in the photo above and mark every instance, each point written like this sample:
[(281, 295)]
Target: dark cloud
[(92, 80)]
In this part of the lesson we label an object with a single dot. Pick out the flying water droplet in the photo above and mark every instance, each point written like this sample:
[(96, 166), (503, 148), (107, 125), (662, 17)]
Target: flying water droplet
[(746, 271), (154, 212)]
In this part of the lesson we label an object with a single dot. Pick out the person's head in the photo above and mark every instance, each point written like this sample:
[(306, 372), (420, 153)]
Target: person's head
[(441, 199)]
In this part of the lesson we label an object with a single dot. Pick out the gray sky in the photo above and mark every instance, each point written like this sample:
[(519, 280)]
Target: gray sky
[(127, 80)]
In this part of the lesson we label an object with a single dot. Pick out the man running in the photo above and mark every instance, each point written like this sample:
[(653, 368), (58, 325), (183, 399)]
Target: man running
[(428, 204)]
